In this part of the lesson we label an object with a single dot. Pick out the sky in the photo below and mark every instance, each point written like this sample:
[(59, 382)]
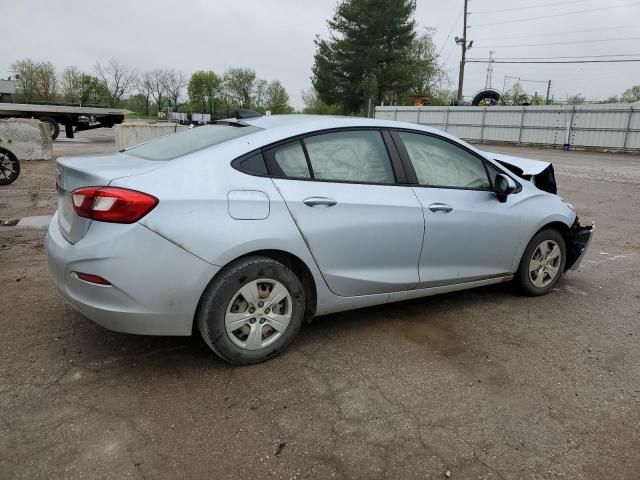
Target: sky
[(275, 38)]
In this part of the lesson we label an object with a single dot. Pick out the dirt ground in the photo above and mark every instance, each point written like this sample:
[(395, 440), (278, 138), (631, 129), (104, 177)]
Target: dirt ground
[(483, 384)]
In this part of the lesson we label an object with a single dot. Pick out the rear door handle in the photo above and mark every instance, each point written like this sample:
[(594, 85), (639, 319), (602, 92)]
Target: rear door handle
[(321, 202), (440, 207)]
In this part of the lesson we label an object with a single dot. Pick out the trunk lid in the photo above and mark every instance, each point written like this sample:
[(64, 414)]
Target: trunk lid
[(90, 171)]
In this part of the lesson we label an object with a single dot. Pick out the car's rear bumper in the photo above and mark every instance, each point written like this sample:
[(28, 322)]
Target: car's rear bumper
[(579, 239), (155, 284)]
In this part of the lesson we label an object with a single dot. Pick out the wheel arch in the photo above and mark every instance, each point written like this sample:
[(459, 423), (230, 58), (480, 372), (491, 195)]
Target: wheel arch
[(297, 265), (561, 227)]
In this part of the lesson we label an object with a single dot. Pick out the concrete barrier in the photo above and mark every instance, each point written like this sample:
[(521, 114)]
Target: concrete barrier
[(27, 138), (133, 133)]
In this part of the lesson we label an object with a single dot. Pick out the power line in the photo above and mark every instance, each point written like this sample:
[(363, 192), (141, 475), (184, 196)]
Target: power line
[(557, 15), (449, 54), (531, 81), (628, 60), (557, 33), (451, 31), (571, 57), (559, 43), (527, 7)]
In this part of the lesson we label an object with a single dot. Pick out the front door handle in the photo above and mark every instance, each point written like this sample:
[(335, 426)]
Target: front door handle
[(440, 207), (321, 202)]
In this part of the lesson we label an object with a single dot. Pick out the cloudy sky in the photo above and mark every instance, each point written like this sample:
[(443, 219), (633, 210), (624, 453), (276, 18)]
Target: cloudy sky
[(275, 37)]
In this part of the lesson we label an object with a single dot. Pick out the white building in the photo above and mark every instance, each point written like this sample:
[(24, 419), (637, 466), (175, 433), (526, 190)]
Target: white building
[(7, 90)]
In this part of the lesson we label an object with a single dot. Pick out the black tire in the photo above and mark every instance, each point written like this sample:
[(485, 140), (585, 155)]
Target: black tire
[(9, 167), (523, 277), (224, 289), (53, 123)]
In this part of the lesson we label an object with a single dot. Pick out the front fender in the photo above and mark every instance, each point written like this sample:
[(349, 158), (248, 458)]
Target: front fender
[(540, 211)]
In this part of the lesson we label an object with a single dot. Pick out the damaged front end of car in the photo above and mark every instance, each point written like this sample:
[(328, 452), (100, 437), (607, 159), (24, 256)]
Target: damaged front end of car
[(538, 172), (541, 174), (578, 239)]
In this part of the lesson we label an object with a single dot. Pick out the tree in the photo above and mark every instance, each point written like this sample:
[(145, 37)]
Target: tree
[(444, 96), (70, 85), (259, 96), (314, 105), (427, 75), (202, 90), (26, 84), (516, 95), (575, 99), (632, 94), (174, 83), (36, 81), (92, 91), (144, 85), (277, 98), (116, 78), (138, 103), (158, 80), (240, 86), (47, 82), (369, 53)]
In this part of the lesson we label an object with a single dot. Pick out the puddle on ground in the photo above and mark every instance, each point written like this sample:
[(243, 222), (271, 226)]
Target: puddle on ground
[(37, 221), (437, 338)]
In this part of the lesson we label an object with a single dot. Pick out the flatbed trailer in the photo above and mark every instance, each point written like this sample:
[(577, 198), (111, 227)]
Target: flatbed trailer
[(82, 118)]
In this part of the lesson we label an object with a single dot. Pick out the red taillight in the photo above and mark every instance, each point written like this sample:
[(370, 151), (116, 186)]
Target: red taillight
[(112, 204), (87, 277)]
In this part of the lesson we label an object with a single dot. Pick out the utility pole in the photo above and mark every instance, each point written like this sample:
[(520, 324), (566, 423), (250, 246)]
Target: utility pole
[(463, 43), (548, 92)]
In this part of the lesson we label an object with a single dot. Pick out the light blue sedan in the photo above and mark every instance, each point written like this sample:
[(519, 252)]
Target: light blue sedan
[(250, 226)]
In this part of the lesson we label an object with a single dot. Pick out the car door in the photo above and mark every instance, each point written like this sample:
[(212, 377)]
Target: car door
[(469, 234), (363, 228)]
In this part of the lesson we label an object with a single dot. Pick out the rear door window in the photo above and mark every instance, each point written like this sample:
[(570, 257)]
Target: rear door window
[(350, 156)]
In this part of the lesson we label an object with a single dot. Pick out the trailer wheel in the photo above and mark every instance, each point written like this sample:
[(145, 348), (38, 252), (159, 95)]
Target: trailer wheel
[(53, 123)]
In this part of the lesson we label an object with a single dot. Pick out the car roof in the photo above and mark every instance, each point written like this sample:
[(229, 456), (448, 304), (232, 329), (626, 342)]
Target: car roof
[(322, 122), (275, 128)]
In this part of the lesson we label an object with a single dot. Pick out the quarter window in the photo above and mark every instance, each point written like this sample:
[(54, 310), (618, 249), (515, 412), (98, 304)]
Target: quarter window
[(292, 161), (351, 156), (439, 163)]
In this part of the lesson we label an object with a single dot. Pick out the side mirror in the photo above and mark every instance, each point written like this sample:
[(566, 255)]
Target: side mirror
[(504, 186)]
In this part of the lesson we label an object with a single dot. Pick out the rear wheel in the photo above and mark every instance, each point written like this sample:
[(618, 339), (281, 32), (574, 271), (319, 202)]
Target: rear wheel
[(542, 263), (53, 124), (9, 167), (252, 310)]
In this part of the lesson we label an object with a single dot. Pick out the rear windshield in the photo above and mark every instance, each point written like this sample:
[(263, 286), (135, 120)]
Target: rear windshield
[(192, 140)]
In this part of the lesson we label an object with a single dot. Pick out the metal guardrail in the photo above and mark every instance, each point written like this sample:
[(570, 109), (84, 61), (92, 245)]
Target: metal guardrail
[(606, 126)]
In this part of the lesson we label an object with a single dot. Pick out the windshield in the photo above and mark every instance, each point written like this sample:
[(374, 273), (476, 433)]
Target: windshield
[(192, 140)]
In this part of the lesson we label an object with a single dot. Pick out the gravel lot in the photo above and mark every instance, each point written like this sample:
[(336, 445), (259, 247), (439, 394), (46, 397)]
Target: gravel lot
[(483, 383)]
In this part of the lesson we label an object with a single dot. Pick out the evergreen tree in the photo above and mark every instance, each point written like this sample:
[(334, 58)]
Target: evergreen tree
[(368, 54)]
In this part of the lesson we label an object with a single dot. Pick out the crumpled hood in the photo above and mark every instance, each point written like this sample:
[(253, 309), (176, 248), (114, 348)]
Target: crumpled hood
[(528, 166), (538, 172)]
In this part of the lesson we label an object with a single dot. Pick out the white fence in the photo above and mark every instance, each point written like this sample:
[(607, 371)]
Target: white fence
[(606, 126)]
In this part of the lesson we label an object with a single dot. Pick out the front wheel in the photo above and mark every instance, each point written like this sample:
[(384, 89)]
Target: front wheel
[(542, 263), (252, 310), (9, 167)]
